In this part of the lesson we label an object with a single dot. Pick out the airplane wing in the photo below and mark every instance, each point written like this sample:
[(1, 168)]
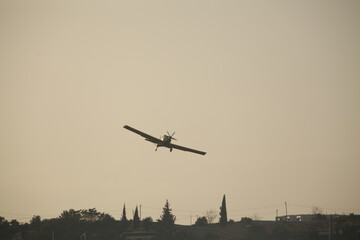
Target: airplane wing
[(186, 149), (146, 136)]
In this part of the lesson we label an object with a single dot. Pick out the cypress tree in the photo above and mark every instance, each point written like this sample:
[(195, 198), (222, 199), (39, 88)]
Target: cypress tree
[(124, 220), (223, 213), (136, 218)]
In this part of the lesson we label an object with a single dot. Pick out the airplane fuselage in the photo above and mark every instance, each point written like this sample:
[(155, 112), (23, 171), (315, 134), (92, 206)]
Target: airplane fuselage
[(166, 140)]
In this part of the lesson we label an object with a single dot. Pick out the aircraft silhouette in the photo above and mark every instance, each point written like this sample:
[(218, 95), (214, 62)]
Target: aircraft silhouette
[(165, 141)]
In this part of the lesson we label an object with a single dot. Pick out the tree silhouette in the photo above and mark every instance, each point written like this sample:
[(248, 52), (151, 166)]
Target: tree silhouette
[(211, 215), (316, 210), (90, 215), (124, 220), (35, 223), (147, 222), (167, 222), (246, 220), (71, 224), (70, 216), (223, 213), (136, 219), (201, 221)]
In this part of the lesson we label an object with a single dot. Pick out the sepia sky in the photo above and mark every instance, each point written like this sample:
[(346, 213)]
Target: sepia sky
[(269, 89)]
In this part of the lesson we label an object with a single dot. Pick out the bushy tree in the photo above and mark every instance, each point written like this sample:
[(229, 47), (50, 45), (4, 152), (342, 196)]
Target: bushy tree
[(211, 215), (35, 223), (90, 215), (201, 221), (246, 220), (14, 223), (5, 229), (107, 220), (70, 216), (316, 210)]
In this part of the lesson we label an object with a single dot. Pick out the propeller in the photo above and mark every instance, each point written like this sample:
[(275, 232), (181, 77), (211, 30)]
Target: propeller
[(171, 136)]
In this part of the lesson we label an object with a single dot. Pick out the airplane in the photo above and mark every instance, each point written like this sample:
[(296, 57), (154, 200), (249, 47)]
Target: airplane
[(165, 141)]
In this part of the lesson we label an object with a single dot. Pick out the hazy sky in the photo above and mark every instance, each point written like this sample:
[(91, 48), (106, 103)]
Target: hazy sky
[(270, 89)]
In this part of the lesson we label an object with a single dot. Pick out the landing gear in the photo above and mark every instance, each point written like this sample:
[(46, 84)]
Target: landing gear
[(170, 149)]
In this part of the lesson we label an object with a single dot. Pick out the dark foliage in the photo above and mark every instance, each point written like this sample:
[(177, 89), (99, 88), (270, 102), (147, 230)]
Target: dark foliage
[(256, 232), (166, 222), (223, 213), (201, 221), (147, 223), (9, 229), (136, 219), (246, 220), (124, 221), (319, 217), (71, 224), (35, 223)]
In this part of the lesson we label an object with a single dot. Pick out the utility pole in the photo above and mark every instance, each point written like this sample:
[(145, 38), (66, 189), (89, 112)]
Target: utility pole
[(330, 227)]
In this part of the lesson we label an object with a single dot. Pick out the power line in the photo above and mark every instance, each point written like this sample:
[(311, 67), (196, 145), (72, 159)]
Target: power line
[(257, 208)]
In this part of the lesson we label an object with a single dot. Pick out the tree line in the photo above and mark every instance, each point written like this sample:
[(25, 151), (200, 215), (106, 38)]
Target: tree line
[(71, 224)]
